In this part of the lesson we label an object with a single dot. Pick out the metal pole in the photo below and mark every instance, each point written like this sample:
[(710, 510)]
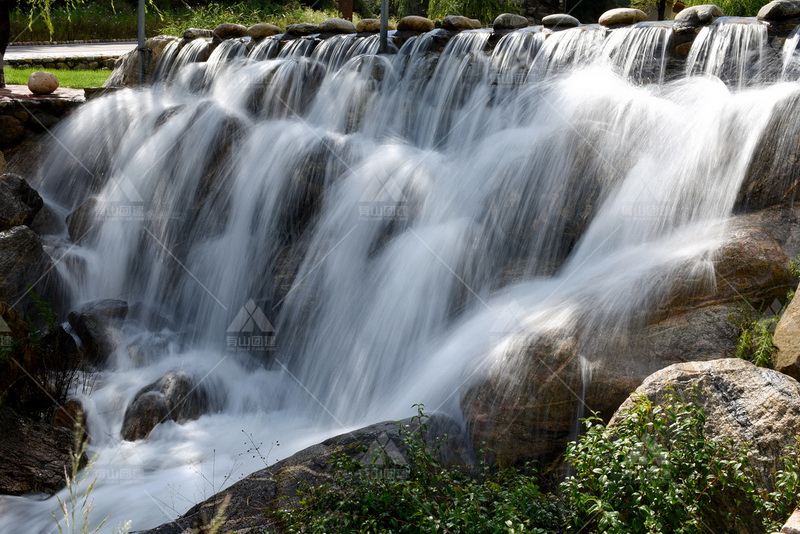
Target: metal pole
[(384, 27), (141, 42)]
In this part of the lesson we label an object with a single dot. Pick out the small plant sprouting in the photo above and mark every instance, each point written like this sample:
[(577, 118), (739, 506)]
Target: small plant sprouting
[(255, 449)]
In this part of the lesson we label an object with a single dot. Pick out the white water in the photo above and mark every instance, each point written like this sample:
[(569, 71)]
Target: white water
[(443, 199)]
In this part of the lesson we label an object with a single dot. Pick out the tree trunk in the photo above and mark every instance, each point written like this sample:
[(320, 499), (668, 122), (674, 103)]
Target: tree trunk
[(662, 9), (346, 8), (5, 35)]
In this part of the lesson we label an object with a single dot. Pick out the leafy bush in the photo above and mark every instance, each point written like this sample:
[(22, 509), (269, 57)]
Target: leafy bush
[(486, 11), (756, 327), (733, 8), (422, 496)]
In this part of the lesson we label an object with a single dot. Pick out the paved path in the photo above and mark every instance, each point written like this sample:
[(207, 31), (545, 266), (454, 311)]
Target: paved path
[(69, 50), (21, 92)]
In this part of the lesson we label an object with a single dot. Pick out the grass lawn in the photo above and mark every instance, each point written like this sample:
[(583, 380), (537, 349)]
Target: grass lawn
[(67, 78)]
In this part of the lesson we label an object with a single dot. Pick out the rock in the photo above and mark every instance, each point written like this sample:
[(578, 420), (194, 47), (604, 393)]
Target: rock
[(368, 26), (413, 23), (693, 17), (229, 30), (302, 29), (70, 415), (757, 409), (276, 486), (780, 10), (96, 324), (80, 221), (23, 262), (787, 341), (527, 407), (197, 33), (510, 21), (32, 455), (792, 526), (336, 26), (560, 20), (774, 172), (19, 202), (126, 71), (622, 15), (458, 23), (42, 83), (47, 222), (2, 163), (12, 131), (176, 397), (262, 30)]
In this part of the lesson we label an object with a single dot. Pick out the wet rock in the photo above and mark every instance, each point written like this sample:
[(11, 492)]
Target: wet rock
[(228, 30), (337, 26), (757, 409), (70, 415), (197, 33), (458, 23), (787, 341), (560, 20), (622, 16), (413, 23), (12, 131), (42, 83), (792, 526), (276, 487), (19, 202), (81, 221), (126, 71), (175, 396), (780, 10), (23, 263), (302, 29), (694, 17), (97, 324), (510, 21), (262, 30), (47, 222), (32, 455)]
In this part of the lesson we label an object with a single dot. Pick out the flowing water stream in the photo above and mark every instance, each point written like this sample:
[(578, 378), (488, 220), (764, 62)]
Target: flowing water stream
[(388, 215)]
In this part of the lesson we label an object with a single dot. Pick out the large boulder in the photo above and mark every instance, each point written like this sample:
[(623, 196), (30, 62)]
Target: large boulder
[(510, 21), (458, 23), (302, 29), (368, 26), (229, 30), (197, 33), (32, 455), (262, 30), (694, 17), (42, 83), (787, 341), (780, 10), (337, 26), (97, 325), (757, 409), (19, 202), (126, 71), (23, 265), (622, 16), (774, 172), (529, 403), (175, 397), (254, 497), (81, 221), (560, 21), (12, 131), (413, 23)]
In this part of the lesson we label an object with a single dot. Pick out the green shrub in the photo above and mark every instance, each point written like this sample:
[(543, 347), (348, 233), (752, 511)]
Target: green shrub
[(485, 11)]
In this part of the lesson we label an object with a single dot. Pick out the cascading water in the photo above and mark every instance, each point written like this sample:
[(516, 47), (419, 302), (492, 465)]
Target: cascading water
[(382, 212)]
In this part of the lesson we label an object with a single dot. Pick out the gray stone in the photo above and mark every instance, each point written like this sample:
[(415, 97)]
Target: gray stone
[(12, 131), (780, 10), (302, 29), (197, 33), (510, 21), (787, 341), (413, 23), (694, 17), (337, 26), (262, 30), (560, 20), (458, 23), (42, 83), (19, 202), (23, 262), (97, 325), (228, 30), (622, 16)]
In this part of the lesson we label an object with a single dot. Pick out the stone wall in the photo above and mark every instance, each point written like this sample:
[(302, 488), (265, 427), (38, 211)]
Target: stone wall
[(26, 120), (64, 63)]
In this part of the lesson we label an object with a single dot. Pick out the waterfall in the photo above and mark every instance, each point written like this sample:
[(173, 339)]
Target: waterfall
[(791, 56), (382, 212)]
